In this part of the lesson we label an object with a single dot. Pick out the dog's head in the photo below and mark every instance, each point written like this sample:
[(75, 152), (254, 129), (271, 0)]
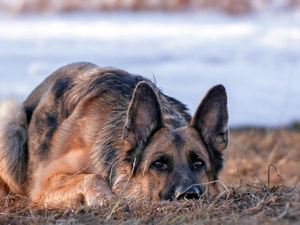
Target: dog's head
[(175, 162)]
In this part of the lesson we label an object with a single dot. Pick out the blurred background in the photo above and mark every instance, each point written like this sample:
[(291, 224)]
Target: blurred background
[(187, 46)]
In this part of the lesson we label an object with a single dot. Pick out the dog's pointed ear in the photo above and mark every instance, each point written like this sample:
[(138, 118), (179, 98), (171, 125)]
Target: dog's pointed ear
[(211, 118), (144, 117)]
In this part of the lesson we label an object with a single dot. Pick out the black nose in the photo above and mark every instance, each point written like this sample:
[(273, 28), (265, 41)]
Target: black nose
[(187, 193)]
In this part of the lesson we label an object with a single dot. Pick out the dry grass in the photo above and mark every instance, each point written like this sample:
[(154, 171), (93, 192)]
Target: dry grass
[(250, 197), (253, 152), (227, 6)]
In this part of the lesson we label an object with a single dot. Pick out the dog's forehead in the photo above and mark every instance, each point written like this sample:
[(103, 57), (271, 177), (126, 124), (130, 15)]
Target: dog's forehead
[(186, 136), (179, 142)]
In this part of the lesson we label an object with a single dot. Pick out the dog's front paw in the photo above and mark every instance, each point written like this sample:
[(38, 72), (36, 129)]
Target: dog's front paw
[(98, 198), (96, 191)]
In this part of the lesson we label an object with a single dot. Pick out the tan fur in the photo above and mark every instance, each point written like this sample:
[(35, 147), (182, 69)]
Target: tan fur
[(67, 177), (13, 137)]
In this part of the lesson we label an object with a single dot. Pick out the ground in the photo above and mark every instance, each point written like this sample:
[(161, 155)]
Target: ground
[(260, 176), (252, 153)]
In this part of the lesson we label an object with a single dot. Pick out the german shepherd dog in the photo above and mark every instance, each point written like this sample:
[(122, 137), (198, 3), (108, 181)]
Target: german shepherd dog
[(87, 134)]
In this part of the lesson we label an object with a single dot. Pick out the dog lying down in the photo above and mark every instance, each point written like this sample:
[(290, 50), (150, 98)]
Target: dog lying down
[(88, 133)]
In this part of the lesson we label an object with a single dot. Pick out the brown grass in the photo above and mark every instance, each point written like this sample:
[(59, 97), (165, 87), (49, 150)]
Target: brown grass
[(249, 198), (227, 6), (253, 152)]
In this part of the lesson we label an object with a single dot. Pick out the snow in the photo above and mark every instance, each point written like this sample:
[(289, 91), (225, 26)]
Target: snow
[(256, 57)]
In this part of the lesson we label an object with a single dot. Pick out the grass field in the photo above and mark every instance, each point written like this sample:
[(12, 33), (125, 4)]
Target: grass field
[(261, 186)]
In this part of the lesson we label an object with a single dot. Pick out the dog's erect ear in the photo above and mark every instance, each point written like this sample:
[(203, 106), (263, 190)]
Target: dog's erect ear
[(211, 118), (144, 117)]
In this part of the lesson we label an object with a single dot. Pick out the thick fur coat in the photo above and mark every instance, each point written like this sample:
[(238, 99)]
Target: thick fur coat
[(87, 133)]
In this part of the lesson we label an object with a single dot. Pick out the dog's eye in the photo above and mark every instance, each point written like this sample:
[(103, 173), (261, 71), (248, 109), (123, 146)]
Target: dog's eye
[(159, 164), (198, 164)]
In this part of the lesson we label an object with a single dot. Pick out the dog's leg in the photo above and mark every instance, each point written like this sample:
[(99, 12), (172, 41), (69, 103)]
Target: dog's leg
[(72, 190)]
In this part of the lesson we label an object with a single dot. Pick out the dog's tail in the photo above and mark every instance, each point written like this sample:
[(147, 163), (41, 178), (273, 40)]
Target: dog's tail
[(13, 146)]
